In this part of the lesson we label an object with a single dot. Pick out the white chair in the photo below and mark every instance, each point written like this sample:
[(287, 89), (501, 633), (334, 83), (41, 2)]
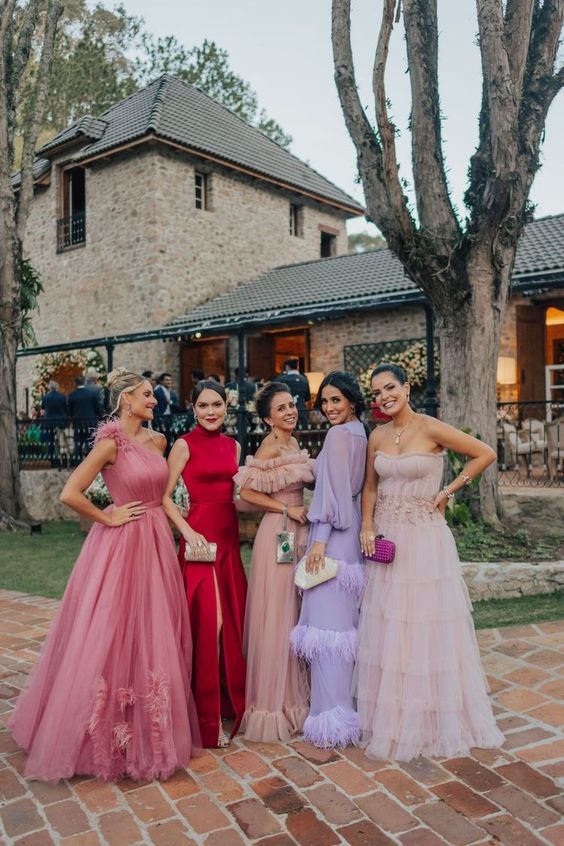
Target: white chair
[(555, 439)]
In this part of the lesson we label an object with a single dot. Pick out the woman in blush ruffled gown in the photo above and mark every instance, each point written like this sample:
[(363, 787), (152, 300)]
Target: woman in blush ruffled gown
[(277, 692), (326, 635), (215, 590), (110, 695), (421, 689)]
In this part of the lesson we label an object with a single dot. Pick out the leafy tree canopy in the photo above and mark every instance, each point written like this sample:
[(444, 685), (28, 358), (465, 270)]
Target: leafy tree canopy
[(360, 242)]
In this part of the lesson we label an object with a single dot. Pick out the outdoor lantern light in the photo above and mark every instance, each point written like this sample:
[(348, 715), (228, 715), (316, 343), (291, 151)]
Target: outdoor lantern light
[(314, 380), (506, 370)]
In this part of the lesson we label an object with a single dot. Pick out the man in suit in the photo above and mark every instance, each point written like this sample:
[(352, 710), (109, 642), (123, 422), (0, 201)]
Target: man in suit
[(85, 409), (167, 399), (299, 388), (249, 388), (53, 417)]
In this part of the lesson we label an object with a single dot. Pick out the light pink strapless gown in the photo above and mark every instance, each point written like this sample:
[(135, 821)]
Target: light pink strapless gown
[(420, 686), (110, 695)]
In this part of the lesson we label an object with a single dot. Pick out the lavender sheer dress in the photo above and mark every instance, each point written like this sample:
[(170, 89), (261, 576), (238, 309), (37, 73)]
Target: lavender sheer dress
[(326, 634)]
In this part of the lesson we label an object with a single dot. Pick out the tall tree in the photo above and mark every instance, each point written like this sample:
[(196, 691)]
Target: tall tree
[(463, 266), (19, 25)]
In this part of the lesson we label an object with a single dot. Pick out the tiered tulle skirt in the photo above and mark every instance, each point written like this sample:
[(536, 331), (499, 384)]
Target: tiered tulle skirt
[(420, 686)]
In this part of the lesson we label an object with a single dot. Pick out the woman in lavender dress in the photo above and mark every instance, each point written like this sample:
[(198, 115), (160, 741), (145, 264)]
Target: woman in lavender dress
[(327, 629)]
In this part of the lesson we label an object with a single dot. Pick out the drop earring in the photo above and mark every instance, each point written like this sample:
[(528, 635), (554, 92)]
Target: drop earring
[(274, 432), (129, 412)]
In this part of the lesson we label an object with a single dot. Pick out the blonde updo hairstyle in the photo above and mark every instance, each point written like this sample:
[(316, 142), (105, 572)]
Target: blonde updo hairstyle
[(121, 381)]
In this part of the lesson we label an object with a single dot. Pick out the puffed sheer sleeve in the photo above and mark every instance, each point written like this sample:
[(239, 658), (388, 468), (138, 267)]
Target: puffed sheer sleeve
[(332, 503)]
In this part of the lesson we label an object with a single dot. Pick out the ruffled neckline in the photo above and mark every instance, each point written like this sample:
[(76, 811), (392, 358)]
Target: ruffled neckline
[(113, 429), (289, 457)]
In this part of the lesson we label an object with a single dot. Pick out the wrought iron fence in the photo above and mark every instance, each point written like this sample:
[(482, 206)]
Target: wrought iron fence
[(71, 231), (530, 439)]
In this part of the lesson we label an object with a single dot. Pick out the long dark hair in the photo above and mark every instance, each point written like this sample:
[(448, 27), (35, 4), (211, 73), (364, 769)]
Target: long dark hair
[(265, 396), (347, 385), (212, 385), (397, 372)]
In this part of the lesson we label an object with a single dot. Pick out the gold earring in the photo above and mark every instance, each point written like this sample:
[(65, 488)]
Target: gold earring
[(274, 432)]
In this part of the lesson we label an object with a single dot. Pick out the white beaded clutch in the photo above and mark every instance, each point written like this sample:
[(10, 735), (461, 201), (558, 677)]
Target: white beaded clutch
[(304, 580)]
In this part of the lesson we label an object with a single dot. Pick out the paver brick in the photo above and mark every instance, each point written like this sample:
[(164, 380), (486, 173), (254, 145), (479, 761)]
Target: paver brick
[(509, 723), (333, 805), (386, 813), (314, 755), (266, 750), (10, 786), (37, 838), (421, 837), (254, 819), (527, 676), (514, 648), (67, 817), (529, 779), (543, 752), (352, 780), (518, 739), (225, 837), (297, 770), (7, 743), (545, 658), (523, 806), (425, 771), (557, 802), (551, 713), (365, 833), (119, 828), (358, 757), (205, 763), (47, 794), (308, 829), (179, 785), (220, 783), (553, 688), (96, 796), (148, 804), (202, 814), (247, 764), (554, 835), (441, 818), (279, 796), (402, 786), (20, 817), (86, 838), (473, 773), (276, 840), (171, 833), (520, 699), (464, 800), (509, 831)]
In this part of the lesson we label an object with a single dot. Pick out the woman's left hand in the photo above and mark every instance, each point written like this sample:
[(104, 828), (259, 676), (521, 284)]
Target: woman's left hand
[(315, 558), (439, 503)]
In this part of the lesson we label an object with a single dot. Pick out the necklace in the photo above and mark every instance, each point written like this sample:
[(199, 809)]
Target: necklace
[(400, 432)]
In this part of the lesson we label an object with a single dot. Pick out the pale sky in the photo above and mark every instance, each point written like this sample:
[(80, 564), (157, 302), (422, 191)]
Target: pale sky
[(283, 49)]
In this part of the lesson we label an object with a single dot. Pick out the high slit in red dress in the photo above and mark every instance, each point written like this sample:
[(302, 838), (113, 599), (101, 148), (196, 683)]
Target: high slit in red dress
[(218, 681)]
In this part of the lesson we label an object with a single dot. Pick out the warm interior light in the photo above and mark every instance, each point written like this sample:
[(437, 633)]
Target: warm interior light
[(506, 370), (314, 379), (554, 316)]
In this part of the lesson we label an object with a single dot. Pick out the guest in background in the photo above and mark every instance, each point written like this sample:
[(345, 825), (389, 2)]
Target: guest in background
[(299, 388), (197, 374), (149, 375), (92, 384), (216, 590), (167, 399), (54, 417), (249, 387), (85, 410), (215, 377), (327, 630), (276, 699)]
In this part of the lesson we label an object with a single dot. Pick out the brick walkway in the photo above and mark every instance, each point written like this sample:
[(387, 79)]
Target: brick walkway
[(276, 795)]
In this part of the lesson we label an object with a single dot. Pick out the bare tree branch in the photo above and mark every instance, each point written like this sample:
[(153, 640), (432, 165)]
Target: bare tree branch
[(25, 39), (499, 88), (518, 21), (435, 210), (54, 10), (6, 16)]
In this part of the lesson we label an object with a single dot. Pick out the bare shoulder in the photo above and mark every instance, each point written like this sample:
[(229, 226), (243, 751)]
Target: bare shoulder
[(160, 441), (179, 450), (269, 448), (105, 450), (378, 435)]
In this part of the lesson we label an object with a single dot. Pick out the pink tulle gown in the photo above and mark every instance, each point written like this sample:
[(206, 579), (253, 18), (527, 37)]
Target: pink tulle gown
[(421, 689), (277, 691), (110, 695)]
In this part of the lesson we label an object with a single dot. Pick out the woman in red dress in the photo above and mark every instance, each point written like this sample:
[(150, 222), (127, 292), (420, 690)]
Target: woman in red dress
[(216, 591)]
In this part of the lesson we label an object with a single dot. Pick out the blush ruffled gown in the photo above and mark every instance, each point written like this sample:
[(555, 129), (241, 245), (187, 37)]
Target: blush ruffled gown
[(421, 688), (277, 691), (110, 695)]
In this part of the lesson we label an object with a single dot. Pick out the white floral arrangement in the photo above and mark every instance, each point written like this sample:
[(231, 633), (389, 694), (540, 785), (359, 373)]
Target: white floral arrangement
[(49, 365), (413, 359)]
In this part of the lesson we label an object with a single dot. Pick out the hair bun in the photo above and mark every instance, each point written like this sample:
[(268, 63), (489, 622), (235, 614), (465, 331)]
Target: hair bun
[(115, 375)]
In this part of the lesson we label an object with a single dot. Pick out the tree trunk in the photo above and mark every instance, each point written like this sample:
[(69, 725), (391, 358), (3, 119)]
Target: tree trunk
[(469, 340)]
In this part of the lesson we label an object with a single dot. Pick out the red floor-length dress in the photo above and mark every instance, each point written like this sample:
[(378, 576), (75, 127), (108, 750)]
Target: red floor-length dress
[(218, 682)]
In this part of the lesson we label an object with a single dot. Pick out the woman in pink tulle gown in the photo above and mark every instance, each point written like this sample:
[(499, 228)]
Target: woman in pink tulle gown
[(421, 689), (110, 695), (277, 692)]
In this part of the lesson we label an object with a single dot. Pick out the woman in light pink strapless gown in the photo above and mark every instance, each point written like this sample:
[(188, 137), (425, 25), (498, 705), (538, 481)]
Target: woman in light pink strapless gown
[(110, 695), (277, 691), (421, 689)]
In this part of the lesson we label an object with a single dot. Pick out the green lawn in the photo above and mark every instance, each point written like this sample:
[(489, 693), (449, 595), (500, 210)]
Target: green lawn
[(41, 564)]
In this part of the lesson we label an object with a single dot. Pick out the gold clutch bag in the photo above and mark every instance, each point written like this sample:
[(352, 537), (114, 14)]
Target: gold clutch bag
[(205, 553), (285, 544)]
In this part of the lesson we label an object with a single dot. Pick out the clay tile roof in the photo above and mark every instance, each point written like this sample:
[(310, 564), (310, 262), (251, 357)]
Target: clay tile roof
[(173, 110)]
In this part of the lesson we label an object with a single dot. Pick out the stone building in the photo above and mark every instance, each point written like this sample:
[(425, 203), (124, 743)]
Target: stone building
[(160, 203)]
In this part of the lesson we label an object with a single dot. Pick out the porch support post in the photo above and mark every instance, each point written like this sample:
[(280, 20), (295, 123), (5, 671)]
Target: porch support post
[(431, 401), (109, 357), (241, 410)]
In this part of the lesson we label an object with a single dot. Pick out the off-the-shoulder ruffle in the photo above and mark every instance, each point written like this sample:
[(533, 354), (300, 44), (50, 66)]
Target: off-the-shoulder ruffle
[(276, 474), (112, 429)]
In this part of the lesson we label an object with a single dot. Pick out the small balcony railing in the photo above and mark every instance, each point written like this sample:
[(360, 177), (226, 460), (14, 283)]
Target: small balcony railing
[(71, 231)]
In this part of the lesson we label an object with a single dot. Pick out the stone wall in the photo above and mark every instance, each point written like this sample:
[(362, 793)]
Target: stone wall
[(41, 491), (501, 580), (150, 255)]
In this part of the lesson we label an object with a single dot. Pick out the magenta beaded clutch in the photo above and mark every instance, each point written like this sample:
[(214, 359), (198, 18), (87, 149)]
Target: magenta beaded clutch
[(384, 551)]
